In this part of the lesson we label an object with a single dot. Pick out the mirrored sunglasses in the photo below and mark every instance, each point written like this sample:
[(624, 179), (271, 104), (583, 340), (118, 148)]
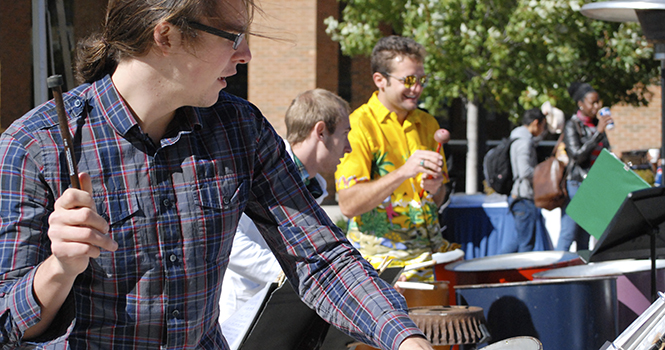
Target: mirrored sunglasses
[(411, 80)]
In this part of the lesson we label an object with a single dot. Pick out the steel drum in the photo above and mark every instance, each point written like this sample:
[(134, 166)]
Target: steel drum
[(516, 343), (514, 267), (633, 283), (571, 314)]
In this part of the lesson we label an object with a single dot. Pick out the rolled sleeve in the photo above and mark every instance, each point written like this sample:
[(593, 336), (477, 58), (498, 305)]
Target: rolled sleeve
[(25, 204), (20, 309), (394, 327)]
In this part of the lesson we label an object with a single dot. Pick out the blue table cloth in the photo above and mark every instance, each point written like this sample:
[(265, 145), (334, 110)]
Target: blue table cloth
[(482, 223)]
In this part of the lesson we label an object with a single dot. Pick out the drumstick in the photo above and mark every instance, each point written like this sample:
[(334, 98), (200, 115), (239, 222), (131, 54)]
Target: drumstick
[(419, 266), (415, 285), (54, 83), (384, 264), (441, 136), (437, 258)]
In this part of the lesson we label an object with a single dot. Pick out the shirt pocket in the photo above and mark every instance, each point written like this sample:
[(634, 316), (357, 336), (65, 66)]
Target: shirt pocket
[(226, 193), (221, 202)]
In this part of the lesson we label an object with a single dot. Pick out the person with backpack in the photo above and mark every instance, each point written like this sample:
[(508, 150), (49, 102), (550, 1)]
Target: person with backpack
[(496, 167), (522, 162)]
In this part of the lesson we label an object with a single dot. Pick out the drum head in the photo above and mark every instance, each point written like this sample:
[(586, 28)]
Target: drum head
[(605, 268), (516, 343), (446, 257), (513, 261)]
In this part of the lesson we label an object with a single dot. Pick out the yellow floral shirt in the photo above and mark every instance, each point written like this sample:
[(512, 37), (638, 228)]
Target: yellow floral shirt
[(405, 221)]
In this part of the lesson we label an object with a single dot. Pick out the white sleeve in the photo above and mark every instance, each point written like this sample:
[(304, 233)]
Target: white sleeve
[(250, 256), (324, 186)]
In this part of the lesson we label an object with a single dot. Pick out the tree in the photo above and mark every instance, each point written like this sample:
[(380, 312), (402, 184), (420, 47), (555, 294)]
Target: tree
[(506, 55)]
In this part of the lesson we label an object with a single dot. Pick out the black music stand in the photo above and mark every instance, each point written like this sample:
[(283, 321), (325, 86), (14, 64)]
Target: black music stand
[(636, 231), (284, 322)]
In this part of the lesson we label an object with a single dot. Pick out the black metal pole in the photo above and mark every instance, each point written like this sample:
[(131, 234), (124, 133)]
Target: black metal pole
[(654, 289), (662, 105), (655, 231)]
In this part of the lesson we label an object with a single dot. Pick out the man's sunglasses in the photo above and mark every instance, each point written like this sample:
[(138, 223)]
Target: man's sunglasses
[(410, 80), (236, 38)]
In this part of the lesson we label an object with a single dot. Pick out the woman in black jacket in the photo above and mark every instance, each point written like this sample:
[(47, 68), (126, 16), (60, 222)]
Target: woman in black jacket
[(584, 137)]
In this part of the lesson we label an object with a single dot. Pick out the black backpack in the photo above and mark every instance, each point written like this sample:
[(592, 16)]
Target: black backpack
[(497, 169)]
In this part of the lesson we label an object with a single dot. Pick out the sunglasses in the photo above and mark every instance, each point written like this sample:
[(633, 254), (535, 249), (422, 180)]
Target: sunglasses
[(236, 38), (411, 80)]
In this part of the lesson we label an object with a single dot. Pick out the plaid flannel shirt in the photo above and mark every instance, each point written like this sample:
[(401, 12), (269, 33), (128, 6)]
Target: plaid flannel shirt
[(173, 209)]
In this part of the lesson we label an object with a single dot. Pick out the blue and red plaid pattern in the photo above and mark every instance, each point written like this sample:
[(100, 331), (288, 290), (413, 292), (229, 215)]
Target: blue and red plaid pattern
[(173, 209)]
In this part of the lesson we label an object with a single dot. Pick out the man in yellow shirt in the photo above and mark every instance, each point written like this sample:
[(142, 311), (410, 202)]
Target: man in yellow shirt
[(392, 182)]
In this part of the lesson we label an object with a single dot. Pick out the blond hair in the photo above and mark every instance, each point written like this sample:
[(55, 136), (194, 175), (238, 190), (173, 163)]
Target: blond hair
[(311, 107)]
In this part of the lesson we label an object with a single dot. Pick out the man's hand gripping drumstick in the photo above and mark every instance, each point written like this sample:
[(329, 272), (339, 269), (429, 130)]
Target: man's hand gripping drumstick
[(431, 183), (76, 231)]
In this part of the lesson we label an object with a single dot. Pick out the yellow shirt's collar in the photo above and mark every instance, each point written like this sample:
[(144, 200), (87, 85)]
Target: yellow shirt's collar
[(381, 113)]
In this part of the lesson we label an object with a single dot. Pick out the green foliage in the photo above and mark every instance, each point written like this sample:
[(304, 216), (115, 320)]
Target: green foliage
[(342, 223), (509, 55)]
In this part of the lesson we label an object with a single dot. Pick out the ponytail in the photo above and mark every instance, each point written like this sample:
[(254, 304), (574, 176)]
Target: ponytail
[(95, 59)]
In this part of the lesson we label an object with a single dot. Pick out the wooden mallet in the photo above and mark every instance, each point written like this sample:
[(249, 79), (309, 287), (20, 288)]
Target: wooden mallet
[(54, 83)]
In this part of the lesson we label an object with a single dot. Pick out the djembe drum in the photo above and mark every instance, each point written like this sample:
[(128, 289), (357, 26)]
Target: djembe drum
[(448, 326), (451, 325)]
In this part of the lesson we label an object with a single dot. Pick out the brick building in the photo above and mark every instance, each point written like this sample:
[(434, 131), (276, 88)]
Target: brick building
[(298, 56)]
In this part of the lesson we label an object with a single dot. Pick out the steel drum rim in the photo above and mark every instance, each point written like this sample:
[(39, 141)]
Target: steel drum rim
[(604, 268), (540, 282), (513, 261), (519, 341)]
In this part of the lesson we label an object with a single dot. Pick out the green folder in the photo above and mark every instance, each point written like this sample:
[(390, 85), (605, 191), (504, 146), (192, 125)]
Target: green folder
[(601, 193)]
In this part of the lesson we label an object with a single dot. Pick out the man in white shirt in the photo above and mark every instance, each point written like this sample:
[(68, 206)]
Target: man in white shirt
[(317, 124)]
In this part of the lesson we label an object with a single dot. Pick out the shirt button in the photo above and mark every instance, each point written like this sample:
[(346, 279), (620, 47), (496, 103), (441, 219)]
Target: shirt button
[(167, 202), (173, 258), (175, 313), (77, 103), (226, 200)]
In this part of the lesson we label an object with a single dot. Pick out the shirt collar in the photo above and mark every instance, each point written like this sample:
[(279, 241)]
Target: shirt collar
[(304, 175), (313, 185), (381, 113), (121, 117)]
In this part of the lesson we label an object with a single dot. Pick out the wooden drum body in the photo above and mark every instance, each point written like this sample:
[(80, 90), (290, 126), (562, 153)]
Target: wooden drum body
[(415, 297)]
